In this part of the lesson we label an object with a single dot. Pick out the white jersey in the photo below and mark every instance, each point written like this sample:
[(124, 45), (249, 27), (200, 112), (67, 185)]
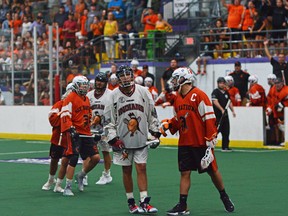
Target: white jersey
[(98, 106), (129, 117)]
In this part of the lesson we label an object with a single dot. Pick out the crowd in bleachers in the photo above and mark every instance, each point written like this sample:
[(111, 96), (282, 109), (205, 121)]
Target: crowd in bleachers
[(248, 24)]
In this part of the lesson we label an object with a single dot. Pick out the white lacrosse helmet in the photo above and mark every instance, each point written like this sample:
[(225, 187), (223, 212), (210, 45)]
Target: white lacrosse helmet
[(253, 79), (134, 62), (182, 76), (271, 77), (113, 79), (148, 82), (69, 87), (92, 84), (139, 80), (229, 80), (81, 85)]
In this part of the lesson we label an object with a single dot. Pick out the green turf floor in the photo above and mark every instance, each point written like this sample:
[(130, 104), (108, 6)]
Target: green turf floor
[(256, 181)]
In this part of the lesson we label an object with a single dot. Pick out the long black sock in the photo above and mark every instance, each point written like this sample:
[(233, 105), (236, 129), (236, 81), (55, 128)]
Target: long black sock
[(223, 193), (183, 199)]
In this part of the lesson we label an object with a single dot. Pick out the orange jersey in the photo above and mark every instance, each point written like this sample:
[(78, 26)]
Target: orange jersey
[(235, 96), (154, 92), (257, 95), (83, 29), (153, 19), (248, 19), (280, 97), (234, 15), (54, 119), (112, 87), (271, 96), (195, 118), (76, 112)]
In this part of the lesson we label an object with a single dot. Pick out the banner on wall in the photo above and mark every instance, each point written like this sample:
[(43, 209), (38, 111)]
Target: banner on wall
[(180, 6)]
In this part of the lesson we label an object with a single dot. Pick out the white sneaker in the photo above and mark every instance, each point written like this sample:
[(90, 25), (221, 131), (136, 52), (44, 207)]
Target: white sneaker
[(85, 180), (68, 192), (80, 182), (48, 184), (104, 179), (58, 189)]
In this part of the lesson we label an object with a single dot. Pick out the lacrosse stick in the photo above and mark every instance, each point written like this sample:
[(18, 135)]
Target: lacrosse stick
[(208, 157)]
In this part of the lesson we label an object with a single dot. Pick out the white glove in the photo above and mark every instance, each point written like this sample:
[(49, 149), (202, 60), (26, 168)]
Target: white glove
[(268, 111), (211, 143), (280, 107), (207, 159)]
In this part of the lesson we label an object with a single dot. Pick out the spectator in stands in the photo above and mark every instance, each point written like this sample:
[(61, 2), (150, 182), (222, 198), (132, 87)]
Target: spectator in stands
[(149, 19), (18, 95), (28, 60), (206, 55), (7, 23), (110, 35), (28, 13), (44, 99), (60, 17), (90, 20), (26, 25), (28, 98), (240, 81), (4, 9), (256, 92), (234, 22), (97, 30), (248, 20), (134, 66), (126, 42), (233, 91), (162, 25), (117, 7), (219, 34), (17, 24), (280, 67), (278, 16), (39, 23), (69, 6), (84, 29), (168, 73), (79, 8), (257, 34), (69, 30), (74, 71), (2, 99)]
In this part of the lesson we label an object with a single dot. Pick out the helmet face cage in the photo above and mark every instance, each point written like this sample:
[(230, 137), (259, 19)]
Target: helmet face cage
[(113, 79), (229, 80), (148, 82), (125, 76), (100, 77), (252, 79), (81, 85)]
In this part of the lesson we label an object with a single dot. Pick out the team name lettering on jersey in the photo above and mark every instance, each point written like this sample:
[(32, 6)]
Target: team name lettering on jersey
[(82, 108), (184, 107), (98, 107), (129, 107)]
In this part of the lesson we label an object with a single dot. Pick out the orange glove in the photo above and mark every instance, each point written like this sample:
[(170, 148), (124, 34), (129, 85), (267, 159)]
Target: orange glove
[(165, 123)]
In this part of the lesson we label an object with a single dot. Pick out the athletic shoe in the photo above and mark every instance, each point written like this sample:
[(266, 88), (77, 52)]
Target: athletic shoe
[(179, 209), (133, 208), (85, 180), (68, 192), (80, 182), (48, 184), (226, 150), (104, 179), (145, 207), (58, 189), (229, 206)]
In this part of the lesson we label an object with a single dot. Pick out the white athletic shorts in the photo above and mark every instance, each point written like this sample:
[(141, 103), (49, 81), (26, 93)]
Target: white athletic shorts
[(137, 156), (104, 146)]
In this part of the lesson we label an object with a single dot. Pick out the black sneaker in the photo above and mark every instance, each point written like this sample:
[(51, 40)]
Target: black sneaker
[(146, 207), (133, 208), (229, 206), (179, 209)]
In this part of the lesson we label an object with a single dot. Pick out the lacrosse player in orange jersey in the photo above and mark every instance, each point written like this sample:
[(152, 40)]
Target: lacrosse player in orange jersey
[(128, 116), (58, 145), (195, 121), (75, 126)]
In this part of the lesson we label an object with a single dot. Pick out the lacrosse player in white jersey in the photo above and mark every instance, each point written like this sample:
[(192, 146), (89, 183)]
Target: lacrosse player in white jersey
[(128, 117), (98, 99)]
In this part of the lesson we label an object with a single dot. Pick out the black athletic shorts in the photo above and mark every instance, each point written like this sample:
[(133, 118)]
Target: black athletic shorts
[(189, 159), (87, 147), (56, 151)]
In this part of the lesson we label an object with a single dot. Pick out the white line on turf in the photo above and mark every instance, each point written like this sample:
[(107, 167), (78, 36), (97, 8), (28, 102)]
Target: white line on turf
[(37, 142), (26, 152)]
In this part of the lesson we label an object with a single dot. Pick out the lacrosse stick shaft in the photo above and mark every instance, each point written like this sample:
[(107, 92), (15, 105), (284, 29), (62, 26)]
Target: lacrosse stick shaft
[(225, 110)]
